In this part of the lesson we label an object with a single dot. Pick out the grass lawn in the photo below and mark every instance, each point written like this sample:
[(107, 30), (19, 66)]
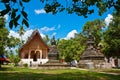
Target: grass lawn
[(15, 73)]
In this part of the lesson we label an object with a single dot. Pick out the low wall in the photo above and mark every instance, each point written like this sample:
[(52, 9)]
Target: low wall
[(27, 61)]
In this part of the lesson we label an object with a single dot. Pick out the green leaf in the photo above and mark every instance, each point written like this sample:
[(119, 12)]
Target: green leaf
[(7, 6), (25, 22), (17, 18), (15, 10), (11, 24), (3, 12), (75, 1), (62, 9), (13, 14), (20, 3), (24, 14), (14, 1), (15, 23), (5, 1), (25, 0), (42, 1)]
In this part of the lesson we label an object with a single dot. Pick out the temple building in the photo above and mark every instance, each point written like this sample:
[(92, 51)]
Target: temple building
[(35, 50)]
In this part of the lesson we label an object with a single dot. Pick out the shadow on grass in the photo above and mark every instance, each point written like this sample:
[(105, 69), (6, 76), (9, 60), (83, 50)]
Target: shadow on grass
[(64, 75), (6, 69)]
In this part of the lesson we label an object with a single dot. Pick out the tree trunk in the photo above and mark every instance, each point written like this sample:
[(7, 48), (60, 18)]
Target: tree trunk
[(0, 65)]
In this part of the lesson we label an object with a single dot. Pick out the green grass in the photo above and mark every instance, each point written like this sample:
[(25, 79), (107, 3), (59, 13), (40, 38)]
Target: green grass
[(15, 73)]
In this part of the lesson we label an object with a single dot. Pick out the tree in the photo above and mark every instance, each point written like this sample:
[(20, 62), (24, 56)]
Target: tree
[(12, 42), (72, 48), (80, 45), (21, 33), (112, 37), (5, 40), (14, 58), (46, 39), (3, 36), (16, 9)]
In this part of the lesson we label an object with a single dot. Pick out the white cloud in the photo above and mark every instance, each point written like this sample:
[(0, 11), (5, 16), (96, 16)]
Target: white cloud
[(25, 36), (108, 19), (46, 29), (59, 26), (71, 34), (6, 17), (14, 34), (54, 34), (39, 11), (42, 35)]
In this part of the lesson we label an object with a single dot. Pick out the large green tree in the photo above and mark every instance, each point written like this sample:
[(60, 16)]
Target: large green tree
[(21, 33), (3, 36), (72, 48), (16, 9), (6, 41), (112, 37)]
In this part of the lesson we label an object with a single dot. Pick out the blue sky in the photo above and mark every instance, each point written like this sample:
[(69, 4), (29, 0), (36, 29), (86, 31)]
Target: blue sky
[(62, 25)]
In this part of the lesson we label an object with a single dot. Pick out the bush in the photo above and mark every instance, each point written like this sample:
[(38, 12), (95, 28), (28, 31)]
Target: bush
[(25, 65)]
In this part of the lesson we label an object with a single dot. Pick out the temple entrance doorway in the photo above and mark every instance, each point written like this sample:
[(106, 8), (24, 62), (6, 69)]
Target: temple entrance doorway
[(35, 57)]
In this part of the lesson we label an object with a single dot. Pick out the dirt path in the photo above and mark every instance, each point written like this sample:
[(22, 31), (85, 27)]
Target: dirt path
[(113, 73)]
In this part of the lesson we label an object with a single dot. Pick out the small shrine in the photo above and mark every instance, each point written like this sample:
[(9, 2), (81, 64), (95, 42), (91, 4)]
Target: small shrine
[(53, 56), (91, 54), (53, 52)]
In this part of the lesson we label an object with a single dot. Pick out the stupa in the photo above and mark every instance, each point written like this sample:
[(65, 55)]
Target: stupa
[(53, 56), (91, 54), (53, 53)]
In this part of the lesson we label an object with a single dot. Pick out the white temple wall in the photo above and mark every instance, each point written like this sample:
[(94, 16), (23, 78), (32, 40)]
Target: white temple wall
[(39, 61)]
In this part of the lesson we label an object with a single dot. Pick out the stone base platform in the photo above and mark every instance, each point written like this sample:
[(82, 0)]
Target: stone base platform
[(54, 64), (90, 64)]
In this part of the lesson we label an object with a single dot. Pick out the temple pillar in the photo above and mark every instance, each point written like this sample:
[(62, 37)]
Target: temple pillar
[(22, 55), (40, 54), (46, 54), (29, 54)]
